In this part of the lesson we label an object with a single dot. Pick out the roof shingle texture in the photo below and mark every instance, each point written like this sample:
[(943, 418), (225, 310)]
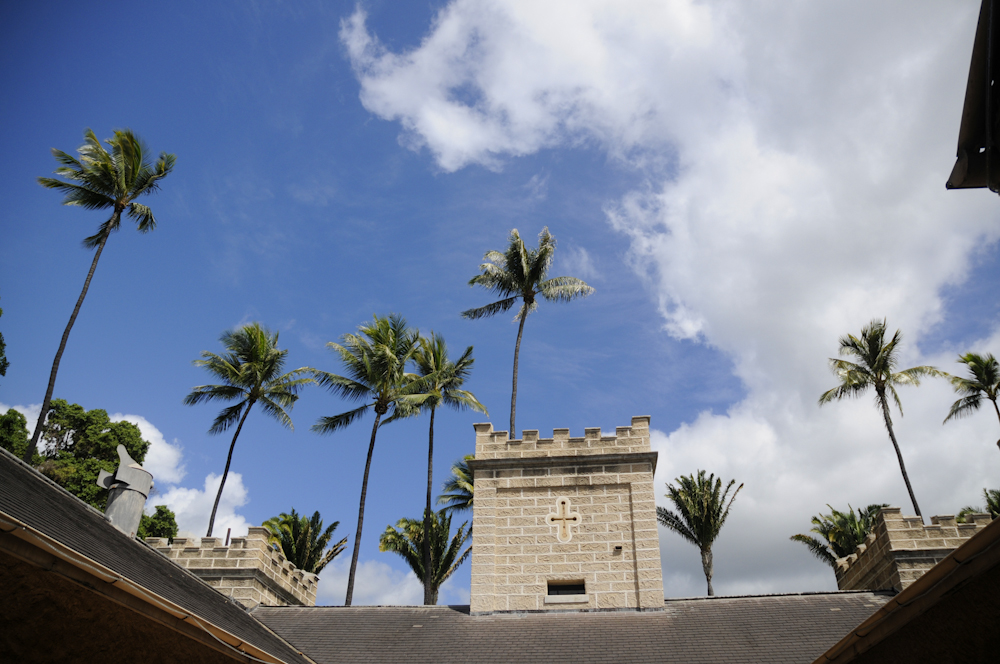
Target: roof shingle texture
[(770, 628), (34, 500)]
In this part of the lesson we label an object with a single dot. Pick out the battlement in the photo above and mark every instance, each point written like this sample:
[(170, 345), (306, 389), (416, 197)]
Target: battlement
[(900, 549), (249, 569), (492, 444)]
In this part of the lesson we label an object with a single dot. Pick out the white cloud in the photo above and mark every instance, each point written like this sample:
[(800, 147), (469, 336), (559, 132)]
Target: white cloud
[(577, 262), (193, 507), (796, 155), (163, 460), (376, 583)]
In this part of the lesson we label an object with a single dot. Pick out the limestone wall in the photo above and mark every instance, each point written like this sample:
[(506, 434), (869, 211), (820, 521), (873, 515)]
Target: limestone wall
[(613, 547), (248, 570), (900, 549)]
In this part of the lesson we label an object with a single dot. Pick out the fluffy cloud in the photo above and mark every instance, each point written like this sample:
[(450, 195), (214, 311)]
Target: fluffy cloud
[(163, 460), (378, 584), (194, 506), (796, 158)]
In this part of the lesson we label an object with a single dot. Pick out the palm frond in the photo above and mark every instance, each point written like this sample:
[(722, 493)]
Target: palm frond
[(336, 422), (491, 309)]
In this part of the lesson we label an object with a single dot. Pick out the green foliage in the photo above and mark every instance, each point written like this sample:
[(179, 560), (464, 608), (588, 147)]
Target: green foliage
[(842, 532), (303, 541), (251, 373), (701, 511), (458, 490), (3, 354), (77, 444), (983, 381), (375, 362), (14, 434), (992, 507), (444, 378), (445, 553), (101, 180), (162, 523)]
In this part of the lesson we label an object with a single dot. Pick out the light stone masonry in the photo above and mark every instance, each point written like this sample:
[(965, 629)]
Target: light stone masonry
[(900, 549), (249, 570), (565, 510)]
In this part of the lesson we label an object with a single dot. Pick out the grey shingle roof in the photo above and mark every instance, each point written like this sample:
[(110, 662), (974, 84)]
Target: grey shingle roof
[(35, 501), (769, 628)]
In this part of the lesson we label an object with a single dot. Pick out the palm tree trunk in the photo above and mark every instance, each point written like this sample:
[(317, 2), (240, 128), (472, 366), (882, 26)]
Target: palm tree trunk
[(899, 455), (998, 415), (429, 596), (46, 402), (517, 351), (706, 565), (361, 515), (225, 473)]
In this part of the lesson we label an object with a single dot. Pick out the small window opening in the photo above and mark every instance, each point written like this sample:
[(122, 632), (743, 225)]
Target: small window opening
[(567, 588)]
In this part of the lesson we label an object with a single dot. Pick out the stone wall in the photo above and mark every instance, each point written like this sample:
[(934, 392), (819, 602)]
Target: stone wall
[(900, 549), (248, 570), (605, 485)]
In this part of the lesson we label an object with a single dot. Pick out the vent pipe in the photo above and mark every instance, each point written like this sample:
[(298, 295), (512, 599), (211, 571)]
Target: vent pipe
[(128, 488)]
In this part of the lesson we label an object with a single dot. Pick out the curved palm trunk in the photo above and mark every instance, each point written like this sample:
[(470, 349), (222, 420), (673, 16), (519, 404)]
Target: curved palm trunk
[(706, 565), (513, 393), (430, 594), (361, 515), (899, 455), (225, 473), (46, 402), (998, 415)]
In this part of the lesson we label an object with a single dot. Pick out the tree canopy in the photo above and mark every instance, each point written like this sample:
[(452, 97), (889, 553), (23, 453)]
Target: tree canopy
[(446, 554), (303, 541), (842, 532)]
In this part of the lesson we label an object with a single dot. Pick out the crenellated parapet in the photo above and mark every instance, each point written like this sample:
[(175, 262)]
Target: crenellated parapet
[(249, 569), (900, 549), (492, 444)]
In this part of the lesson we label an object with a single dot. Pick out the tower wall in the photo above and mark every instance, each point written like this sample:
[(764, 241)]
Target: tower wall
[(563, 510)]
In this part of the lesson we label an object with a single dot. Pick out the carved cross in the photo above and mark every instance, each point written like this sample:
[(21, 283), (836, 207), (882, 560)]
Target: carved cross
[(562, 518)]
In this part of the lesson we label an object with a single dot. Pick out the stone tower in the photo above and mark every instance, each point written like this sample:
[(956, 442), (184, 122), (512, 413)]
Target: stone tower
[(565, 523)]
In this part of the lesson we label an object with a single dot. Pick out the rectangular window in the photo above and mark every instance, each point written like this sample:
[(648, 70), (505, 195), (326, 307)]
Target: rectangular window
[(567, 588)]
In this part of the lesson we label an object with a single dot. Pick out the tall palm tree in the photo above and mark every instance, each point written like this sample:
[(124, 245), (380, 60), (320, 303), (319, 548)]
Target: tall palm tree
[(445, 379), (520, 273), (983, 381), (251, 372), (375, 361), (102, 180), (874, 367), (842, 532), (701, 510), (445, 558), (459, 489), (303, 540)]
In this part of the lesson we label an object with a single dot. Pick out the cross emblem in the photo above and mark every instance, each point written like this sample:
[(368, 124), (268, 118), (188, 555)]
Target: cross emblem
[(562, 518)]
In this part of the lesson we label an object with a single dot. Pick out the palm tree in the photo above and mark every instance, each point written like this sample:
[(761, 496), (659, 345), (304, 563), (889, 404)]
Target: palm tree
[(842, 532), (459, 489), (100, 180), (874, 367), (519, 273), (303, 540), (250, 371), (984, 381), (408, 543), (992, 498), (701, 510), (444, 389), (375, 361)]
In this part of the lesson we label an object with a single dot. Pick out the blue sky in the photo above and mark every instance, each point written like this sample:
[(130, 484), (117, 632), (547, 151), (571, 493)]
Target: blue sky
[(740, 183)]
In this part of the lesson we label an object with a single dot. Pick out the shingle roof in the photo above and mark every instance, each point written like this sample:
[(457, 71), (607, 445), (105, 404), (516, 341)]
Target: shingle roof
[(769, 628), (37, 502)]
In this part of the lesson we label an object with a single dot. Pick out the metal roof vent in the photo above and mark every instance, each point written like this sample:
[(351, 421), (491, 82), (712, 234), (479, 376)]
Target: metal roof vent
[(128, 489)]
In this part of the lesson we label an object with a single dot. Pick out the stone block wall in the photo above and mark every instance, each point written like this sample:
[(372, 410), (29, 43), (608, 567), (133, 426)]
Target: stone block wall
[(248, 570), (900, 549), (613, 546)]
